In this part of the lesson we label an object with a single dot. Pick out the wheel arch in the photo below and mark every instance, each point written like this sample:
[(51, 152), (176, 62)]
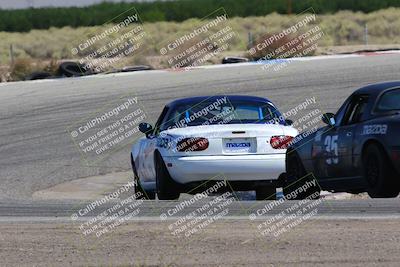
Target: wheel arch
[(156, 153), (300, 156), (132, 162), (294, 153), (375, 141), (372, 141)]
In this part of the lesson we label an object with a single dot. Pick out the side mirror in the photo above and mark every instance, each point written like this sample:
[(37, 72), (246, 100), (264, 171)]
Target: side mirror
[(145, 128), (329, 118), (289, 122)]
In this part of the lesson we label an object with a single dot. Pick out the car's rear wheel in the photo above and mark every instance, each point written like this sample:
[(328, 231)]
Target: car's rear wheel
[(139, 191), (296, 178), (167, 189), (379, 174), (266, 193)]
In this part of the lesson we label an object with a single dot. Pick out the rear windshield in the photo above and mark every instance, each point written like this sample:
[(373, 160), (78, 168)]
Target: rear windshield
[(389, 101), (221, 111)]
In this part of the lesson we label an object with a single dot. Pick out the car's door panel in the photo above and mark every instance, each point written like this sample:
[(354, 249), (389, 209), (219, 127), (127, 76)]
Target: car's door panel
[(333, 148), (147, 170)]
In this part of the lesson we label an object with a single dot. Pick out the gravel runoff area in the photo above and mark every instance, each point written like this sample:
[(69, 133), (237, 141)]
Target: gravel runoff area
[(317, 242)]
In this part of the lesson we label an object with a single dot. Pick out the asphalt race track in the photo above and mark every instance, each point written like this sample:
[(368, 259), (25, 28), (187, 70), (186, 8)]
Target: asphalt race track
[(151, 210), (36, 151)]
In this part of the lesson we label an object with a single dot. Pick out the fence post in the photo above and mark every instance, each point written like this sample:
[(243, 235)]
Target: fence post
[(250, 39), (11, 54), (366, 34)]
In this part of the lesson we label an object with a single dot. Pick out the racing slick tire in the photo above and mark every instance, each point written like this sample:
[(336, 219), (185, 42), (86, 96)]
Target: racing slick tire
[(144, 194), (266, 193), (296, 177), (73, 69), (379, 174), (167, 189), (38, 75)]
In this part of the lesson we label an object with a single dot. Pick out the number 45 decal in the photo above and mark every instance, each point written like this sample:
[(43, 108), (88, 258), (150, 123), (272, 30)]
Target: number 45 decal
[(331, 147)]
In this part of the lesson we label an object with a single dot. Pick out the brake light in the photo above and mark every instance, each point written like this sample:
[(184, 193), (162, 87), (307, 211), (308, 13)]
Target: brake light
[(281, 142), (192, 144)]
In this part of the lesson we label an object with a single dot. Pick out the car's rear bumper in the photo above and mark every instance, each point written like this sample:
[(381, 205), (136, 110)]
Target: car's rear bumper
[(232, 168)]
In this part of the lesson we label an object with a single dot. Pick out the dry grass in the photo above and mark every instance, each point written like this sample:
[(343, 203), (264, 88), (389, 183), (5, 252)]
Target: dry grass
[(342, 28), (25, 66)]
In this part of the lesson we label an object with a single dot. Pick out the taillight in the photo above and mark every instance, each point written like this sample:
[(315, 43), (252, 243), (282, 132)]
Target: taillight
[(281, 142), (192, 144)]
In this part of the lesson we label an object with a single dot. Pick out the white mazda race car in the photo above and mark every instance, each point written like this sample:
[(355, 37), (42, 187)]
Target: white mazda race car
[(196, 141)]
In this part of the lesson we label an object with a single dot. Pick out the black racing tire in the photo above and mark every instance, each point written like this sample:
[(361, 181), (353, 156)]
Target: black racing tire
[(135, 68), (167, 189), (379, 173), (296, 177), (266, 193), (38, 75), (232, 60), (73, 69), (144, 194)]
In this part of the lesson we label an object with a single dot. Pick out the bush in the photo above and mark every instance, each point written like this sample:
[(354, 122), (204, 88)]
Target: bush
[(268, 52), (341, 28), (21, 68)]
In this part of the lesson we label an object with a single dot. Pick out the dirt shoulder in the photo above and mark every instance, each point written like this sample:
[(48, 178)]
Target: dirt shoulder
[(223, 243), (87, 188)]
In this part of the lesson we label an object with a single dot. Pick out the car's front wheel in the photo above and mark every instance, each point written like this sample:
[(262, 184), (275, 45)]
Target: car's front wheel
[(379, 174), (167, 189)]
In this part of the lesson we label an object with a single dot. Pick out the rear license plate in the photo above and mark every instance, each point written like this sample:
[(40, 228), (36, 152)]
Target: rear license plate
[(239, 145)]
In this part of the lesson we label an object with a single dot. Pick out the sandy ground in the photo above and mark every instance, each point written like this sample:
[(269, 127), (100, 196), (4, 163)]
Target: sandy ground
[(223, 243), (95, 187), (85, 188)]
